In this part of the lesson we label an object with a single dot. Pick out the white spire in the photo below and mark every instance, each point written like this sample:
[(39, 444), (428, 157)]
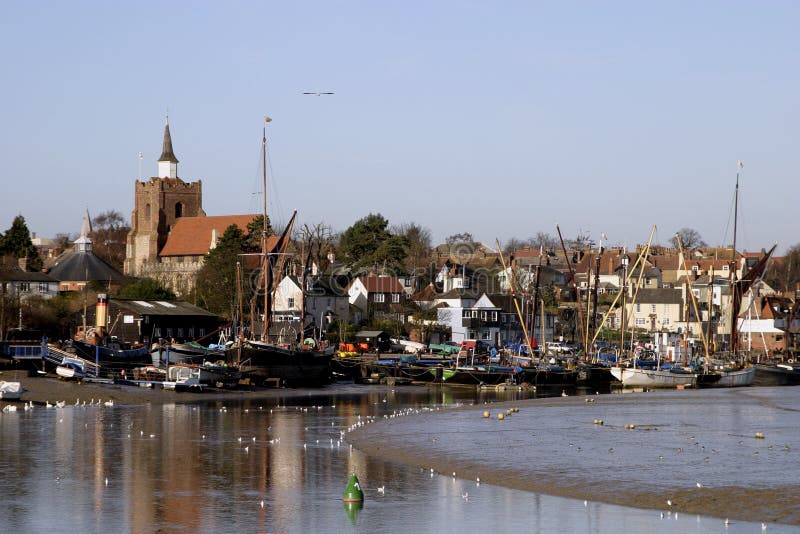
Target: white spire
[(83, 243)]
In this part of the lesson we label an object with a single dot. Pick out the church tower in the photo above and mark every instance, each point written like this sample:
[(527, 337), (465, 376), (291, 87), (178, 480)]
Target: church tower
[(158, 204)]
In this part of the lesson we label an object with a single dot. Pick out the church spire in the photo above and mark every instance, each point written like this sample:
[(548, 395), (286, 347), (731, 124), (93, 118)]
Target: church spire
[(167, 163), (84, 243)]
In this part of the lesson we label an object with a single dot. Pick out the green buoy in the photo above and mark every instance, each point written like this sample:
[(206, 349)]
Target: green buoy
[(352, 492)]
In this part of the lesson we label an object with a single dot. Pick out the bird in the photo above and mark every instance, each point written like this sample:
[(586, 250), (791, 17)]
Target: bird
[(763, 526), (381, 490), (669, 502), (317, 93), (106, 481), (109, 403), (727, 522), (262, 503), (465, 496), (699, 485)]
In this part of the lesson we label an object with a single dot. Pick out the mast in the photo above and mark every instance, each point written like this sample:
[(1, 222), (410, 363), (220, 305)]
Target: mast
[(735, 297), (264, 256), (574, 287)]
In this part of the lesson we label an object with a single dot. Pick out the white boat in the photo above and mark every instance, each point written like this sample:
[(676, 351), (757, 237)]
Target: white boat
[(71, 369), (184, 378), (10, 390), (737, 377), (653, 378)]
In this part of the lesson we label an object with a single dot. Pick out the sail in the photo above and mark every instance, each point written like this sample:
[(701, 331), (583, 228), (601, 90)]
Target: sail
[(740, 287)]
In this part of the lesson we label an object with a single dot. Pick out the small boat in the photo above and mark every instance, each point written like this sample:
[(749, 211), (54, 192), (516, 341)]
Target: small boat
[(10, 390), (116, 354), (71, 369), (183, 378)]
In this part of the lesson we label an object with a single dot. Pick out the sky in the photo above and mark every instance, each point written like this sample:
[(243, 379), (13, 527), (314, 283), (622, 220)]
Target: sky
[(501, 119)]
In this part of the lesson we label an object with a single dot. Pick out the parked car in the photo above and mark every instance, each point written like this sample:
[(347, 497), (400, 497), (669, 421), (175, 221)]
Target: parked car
[(557, 347)]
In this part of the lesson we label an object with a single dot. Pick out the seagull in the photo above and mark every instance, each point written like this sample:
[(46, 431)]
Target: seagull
[(317, 93), (381, 490), (699, 485), (262, 503), (727, 521), (669, 502), (465, 496)]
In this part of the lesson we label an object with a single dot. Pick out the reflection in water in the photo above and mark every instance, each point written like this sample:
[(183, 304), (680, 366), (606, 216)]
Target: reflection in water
[(271, 465)]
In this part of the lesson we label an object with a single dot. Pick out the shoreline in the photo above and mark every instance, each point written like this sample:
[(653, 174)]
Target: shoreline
[(777, 503), (50, 389), (773, 504)]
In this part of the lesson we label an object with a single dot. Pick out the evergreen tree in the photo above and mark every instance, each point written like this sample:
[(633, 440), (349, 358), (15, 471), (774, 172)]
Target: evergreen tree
[(216, 280), (17, 243), (369, 243)]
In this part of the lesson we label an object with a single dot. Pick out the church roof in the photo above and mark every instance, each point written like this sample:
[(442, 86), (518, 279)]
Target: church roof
[(166, 152), (192, 236), (77, 266)]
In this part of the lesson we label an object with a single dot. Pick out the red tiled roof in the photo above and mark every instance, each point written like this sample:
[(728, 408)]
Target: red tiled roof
[(381, 284), (191, 236)]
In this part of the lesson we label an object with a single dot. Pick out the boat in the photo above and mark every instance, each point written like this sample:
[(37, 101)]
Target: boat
[(183, 378), (185, 353), (71, 369), (113, 355), (10, 390), (655, 378), (776, 374), (295, 364)]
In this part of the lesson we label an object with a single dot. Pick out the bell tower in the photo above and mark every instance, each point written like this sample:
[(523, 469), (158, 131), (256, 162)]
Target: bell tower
[(159, 203)]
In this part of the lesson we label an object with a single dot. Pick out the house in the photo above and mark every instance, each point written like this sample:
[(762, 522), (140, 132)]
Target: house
[(656, 310), (147, 321), (472, 321), (17, 283), (378, 297), (323, 301)]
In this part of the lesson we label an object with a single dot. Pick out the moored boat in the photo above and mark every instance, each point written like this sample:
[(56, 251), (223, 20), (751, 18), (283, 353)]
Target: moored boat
[(654, 378), (776, 374), (10, 390)]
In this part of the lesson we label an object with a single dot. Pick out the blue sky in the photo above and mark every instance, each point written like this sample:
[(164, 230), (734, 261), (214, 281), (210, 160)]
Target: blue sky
[(500, 119)]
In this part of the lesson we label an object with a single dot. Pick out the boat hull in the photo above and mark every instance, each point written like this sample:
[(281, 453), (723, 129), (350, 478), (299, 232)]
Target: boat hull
[(10, 390), (776, 375), (113, 358), (653, 378), (736, 378), (290, 367)]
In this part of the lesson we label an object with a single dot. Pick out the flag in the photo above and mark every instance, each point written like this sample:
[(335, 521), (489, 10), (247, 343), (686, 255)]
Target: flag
[(603, 236), (267, 119), (740, 164)]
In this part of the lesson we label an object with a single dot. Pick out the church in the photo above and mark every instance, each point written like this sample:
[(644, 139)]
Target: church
[(170, 233)]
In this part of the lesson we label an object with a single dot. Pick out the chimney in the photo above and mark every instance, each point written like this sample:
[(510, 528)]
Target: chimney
[(101, 313)]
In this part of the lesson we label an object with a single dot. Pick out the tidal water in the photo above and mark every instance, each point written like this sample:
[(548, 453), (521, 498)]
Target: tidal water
[(275, 465)]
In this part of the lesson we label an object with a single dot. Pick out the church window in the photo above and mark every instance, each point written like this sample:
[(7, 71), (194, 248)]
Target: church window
[(178, 210)]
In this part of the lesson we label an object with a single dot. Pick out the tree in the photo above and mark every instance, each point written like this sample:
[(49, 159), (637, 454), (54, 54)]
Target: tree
[(369, 243), (690, 239), (464, 237), (17, 243), (254, 232), (418, 251), (216, 280), (544, 240), (146, 289), (315, 241), (783, 274), (109, 236)]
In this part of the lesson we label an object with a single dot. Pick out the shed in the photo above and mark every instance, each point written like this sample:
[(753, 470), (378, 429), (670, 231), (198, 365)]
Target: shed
[(376, 339)]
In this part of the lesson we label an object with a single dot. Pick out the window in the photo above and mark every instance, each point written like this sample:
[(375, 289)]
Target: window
[(640, 321), (180, 332), (147, 212), (665, 322), (202, 332), (156, 332), (494, 316), (725, 267), (42, 287), (24, 287), (379, 297), (191, 331), (395, 297), (638, 308), (290, 302), (652, 308), (178, 210), (485, 335), (695, 268)]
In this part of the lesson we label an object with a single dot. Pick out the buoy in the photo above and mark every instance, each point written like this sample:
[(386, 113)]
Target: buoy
[(352, 492), (759, 435), (599, 422), (486, 414), (630, 427), (500, 416)]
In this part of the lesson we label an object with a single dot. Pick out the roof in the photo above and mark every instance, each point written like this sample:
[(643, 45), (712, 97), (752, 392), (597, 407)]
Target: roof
[(191, 236), (166, 153), (381, 284), (83, 266), (160, 307), (371, 333), (660, 296), (26, 276)]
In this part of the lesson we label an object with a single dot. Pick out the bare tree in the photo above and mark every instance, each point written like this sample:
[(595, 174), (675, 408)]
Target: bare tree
[(690, 239), (316, 240)]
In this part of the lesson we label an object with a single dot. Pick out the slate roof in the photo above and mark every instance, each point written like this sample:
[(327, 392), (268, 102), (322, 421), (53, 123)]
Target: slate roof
[(659, 296), (191, 236), (76, 266), (27, 276), (160, 307)]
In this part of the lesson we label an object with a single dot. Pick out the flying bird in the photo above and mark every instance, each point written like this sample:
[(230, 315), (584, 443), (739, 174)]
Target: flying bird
[(317, 93)]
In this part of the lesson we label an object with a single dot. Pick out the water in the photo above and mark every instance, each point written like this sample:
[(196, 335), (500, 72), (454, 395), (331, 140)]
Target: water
[(276, 465)]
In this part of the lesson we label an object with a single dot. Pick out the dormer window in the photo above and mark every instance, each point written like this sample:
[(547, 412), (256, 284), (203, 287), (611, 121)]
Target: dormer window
[(695, 268)]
